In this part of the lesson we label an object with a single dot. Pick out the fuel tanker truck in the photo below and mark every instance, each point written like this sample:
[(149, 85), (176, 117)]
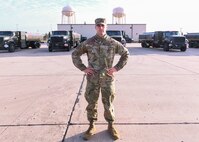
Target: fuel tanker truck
[(33, 40), (63, 40), (12, 40)]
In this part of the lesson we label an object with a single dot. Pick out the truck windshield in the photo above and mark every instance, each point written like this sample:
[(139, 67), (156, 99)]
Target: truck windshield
[(111, 33), (6, 33), (59, 33), (169, 33)]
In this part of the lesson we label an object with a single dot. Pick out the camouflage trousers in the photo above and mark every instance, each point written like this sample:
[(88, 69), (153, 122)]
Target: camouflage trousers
[(105, 85)]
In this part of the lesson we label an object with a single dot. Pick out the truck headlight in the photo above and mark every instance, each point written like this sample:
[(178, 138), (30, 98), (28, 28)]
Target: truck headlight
[(6, 45), (6, 38)]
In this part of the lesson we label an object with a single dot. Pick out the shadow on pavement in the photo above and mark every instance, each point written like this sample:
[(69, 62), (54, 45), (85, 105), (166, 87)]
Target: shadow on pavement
[(102, 136)]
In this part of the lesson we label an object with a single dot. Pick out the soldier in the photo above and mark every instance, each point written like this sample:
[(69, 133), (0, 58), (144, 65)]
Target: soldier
[(100, 50)]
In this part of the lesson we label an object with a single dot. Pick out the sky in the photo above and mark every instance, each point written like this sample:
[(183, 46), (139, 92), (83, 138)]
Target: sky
[(42, 16)]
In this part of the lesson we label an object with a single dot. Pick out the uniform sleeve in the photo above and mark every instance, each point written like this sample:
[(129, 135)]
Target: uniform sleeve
[(124, 55), (76, 57)]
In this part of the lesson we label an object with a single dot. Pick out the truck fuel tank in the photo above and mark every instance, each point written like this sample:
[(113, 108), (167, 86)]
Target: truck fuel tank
[(34, 37)]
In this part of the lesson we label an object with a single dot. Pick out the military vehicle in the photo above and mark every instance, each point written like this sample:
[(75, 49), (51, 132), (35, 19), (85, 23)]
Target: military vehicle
[(146, 39), (64, 40), (12, 40), (193, 39), (117, 35), (128, 39), (169, 40)]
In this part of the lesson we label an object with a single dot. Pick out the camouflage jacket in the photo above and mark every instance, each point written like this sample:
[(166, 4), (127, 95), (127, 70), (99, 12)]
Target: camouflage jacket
[(100, 52)]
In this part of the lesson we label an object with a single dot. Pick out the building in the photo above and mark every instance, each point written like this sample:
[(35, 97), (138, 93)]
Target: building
[(88, 30)]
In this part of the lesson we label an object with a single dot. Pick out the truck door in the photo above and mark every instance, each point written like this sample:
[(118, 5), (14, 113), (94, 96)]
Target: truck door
[(22, 40), (17, 39), (71, 37)]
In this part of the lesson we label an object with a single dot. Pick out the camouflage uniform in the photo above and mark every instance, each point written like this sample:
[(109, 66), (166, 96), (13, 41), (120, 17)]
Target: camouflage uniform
[(100, 52)]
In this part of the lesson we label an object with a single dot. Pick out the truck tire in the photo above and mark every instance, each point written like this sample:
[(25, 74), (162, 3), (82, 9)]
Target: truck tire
[(147, 45), (77, 43), (143, 44), (37, 44), (69, 47), (11, 47), (166, 47), (190, 45), (183, 48), (154, 45), (32, 45), (50, 49)]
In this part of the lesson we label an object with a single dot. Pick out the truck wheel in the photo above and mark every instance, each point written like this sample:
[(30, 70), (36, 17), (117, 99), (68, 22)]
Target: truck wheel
[(77, 43), (166, 47), (183, 48), (147, 45), (69, 47), (11, 47), (190, 45), (37, 45), (50, 49), (32, 44), (143, 45), (154, 45)]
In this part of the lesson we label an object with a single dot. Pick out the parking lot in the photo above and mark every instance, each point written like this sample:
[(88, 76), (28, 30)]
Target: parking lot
[(42, 97)]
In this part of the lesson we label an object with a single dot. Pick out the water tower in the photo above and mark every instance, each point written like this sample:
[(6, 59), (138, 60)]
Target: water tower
[(118, 16), (68, 15)]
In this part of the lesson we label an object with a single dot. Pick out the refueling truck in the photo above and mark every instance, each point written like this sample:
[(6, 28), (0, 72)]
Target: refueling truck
[(117, 35), (33, 40), (193, 39), (12, 40), (62, 39), (169, 40), (164, 39), (146, 39)]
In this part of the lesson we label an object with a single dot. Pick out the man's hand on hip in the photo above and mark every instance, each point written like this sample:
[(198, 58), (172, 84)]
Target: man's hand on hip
[(89, 71), (110, 71)]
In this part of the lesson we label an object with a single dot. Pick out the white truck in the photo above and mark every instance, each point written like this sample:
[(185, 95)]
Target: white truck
[(117, 35)]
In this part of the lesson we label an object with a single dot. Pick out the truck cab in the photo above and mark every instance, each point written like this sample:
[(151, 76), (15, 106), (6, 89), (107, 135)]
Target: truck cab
[(117, 35), (169, 40), (63, 40), (11, 40)]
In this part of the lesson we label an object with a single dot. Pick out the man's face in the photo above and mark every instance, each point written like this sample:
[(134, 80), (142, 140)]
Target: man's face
[(101, 29)]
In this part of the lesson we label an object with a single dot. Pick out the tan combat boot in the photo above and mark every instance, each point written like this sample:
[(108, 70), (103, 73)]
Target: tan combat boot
[(113, 132), (91, 131)]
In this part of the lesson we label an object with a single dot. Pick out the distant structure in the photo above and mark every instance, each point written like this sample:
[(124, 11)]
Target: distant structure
[(118, 16), (68, 15), (68, 22)]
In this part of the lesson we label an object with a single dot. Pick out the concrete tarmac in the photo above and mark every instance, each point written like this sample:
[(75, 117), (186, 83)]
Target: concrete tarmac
[(42, 97)]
